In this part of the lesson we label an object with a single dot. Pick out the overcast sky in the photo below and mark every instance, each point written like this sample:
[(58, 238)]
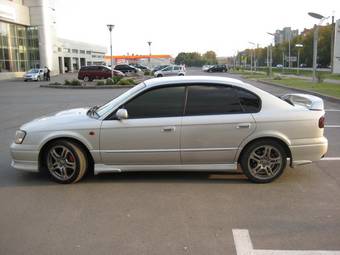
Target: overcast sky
[(181, 25)]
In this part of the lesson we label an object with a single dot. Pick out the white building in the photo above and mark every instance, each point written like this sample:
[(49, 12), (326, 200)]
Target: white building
[(28, 39)]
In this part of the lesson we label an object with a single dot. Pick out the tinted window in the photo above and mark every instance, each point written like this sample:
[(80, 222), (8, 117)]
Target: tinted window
[(208, 100), (176, 68), (161, 102), (249, 101)]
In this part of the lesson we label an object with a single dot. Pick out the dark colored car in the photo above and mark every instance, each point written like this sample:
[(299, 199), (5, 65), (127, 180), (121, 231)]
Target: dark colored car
[(89, 73), (157, 68), (143, 68), (127, 68), (218, 68)]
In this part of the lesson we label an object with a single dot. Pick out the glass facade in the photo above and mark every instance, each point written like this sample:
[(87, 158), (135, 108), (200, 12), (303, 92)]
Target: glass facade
[(19, 47)]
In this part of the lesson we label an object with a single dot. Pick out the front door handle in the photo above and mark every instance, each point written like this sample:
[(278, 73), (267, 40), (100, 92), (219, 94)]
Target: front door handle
[(243, 125), (168, 129)]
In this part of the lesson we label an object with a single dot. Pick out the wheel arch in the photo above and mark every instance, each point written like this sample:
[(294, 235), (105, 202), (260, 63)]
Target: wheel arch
[(280, 140), (75, 140)]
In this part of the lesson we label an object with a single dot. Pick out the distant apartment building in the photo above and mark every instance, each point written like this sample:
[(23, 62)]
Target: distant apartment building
[(285, 35), (28, 39)]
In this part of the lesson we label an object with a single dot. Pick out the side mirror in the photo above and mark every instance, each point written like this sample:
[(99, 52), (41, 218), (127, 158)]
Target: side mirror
[(122, 114)]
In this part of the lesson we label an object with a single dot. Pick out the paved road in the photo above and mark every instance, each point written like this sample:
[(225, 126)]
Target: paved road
[(158, 213)]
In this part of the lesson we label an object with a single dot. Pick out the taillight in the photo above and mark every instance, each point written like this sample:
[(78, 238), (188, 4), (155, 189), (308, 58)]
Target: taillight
[(322, 122)]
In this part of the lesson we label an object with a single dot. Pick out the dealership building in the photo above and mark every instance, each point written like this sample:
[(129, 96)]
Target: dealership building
[(28, 40)]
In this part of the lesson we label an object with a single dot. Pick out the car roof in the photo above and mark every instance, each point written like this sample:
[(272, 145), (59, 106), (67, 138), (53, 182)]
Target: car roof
[(193, 79)]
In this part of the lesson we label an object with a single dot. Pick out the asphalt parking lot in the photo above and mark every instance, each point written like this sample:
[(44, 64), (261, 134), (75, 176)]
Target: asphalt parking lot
[(159, 213)]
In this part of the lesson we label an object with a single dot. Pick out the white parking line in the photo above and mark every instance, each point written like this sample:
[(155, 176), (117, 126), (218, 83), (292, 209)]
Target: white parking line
[(332, 110), (244, 246), (331, 158), (332, 126)]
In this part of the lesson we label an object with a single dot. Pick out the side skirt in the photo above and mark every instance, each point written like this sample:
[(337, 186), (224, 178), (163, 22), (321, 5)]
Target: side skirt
[(102, 168)]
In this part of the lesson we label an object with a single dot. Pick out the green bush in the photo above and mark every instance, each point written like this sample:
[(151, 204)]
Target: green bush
[(126, 82), (75, 82), (67, 82), (109, 81), (116, 79), (147, 72), (100, 83), (277, 77)]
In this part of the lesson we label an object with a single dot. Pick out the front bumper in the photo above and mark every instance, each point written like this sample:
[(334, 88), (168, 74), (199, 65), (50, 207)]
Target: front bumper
[(25, 157), (308, 152)]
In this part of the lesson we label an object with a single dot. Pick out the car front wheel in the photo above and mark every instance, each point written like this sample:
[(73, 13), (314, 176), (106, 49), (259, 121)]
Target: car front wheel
[(65, 161), (263, 161)]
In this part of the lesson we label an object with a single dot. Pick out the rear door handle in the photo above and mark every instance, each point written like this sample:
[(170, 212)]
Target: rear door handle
[(243, 125), (168, 129)]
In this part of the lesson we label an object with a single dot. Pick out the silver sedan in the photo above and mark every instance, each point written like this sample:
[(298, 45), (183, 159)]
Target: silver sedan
[(174, 124)]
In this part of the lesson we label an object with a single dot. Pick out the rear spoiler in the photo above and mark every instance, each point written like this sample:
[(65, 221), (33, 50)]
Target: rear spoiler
[(311, 102)]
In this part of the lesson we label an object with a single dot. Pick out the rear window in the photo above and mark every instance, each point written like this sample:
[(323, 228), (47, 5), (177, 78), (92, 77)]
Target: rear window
[(250, 102)]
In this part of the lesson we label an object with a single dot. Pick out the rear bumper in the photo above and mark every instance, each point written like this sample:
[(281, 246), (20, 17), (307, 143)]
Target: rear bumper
[(308, 152), (24, 157)]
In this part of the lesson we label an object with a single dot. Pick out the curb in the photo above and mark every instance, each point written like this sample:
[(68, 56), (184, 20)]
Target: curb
[(326, 97), (87, 87)]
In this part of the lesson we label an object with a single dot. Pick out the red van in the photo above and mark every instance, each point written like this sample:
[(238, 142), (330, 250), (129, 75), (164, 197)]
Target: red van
[(89, 73)]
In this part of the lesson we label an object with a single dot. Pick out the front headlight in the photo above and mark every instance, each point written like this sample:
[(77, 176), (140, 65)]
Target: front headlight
[(19, 136)]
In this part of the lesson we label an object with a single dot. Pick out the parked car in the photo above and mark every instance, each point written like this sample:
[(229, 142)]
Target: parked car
[(160, 67), (217, 68), (127, 69), (141, 67), (90, 73), (35, 74), (205, 68), (171, 70), (192, 123), (279, 65)]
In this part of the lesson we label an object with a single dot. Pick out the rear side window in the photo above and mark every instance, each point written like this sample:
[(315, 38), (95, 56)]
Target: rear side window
[(212, 100), (249, 101), (160, 102)]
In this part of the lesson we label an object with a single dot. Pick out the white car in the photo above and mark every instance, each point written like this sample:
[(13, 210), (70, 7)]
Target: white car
[(190, 123), (171, 70), (35, 74)]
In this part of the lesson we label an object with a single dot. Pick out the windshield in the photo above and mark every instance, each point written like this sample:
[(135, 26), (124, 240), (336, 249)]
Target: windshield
[(33, 71), (108, 107)]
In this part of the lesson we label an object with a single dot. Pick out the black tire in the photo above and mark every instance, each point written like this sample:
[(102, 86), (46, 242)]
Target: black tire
[(25, 80), (181, 74), (86, 78), (257, 161), (75, 156), (159, 75)]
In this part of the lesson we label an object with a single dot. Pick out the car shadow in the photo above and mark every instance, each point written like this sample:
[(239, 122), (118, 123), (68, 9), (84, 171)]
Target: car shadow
[(21, 179)]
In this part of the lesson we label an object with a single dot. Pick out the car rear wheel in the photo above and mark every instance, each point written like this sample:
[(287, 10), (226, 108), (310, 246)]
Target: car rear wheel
[(263, 161), (159, 75), (86, 79), (65, 161)]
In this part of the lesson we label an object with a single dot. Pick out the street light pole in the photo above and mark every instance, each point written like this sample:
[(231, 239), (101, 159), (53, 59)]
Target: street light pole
[(332, 44), (110, 27), (315, 40), (289, 62), (254, 62), (271, 56), (149, 42), (299, 46)]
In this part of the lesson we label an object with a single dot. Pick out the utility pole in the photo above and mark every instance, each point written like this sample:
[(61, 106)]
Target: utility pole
[(110, 27), (149, 42), (332, 43)]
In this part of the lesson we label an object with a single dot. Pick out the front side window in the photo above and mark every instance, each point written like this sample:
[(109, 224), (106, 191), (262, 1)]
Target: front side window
[(159, 102), (212, 100), (169, 68)]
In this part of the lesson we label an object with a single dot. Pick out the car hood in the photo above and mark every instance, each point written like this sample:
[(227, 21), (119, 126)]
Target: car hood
[(63, 120)]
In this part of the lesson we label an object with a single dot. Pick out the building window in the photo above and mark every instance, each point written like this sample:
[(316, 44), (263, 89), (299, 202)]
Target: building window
[(19, 48), (88, 52), (82, 52), (74, 51), (59, 49)]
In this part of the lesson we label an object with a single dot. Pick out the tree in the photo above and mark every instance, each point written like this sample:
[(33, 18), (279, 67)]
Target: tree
[(195, 58)]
